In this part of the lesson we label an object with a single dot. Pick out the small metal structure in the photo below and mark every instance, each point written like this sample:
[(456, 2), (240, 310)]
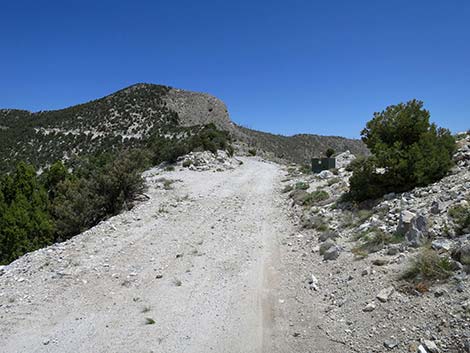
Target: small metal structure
[(320, 164)]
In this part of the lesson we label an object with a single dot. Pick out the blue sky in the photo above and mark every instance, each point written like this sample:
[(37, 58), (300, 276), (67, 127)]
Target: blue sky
[(280, 66)]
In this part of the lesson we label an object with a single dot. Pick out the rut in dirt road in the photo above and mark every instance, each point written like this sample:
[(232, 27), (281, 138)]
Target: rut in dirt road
[(198, 260)]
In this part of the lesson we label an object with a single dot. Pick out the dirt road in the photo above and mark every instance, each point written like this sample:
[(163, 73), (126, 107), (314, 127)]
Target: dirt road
[(193, 269)]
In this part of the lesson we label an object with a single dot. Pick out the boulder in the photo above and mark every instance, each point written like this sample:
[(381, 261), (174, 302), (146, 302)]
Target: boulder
[(413, 227), (385, 294), (441, 244), (310, 221), (344, 159), (462, 254), (332, 253), (391, 344), (435, 207), (325, 174), (380, 261), (369, 307), (405, 221), (325, 246), (430, 346), (394, 249), (467, 345)]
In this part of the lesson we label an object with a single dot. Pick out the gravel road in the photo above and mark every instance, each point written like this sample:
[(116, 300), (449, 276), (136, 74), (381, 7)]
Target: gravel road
[(193, 269)]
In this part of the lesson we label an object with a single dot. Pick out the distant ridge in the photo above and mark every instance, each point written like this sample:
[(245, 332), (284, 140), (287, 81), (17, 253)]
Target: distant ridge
[(131, 115)]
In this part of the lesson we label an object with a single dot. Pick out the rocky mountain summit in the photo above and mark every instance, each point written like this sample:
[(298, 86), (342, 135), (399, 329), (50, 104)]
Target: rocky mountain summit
[(393, 276)]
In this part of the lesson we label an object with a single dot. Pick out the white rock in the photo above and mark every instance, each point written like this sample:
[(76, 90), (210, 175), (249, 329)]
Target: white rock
[(344, 159), (430, 346), (421, 349), (325, 174), (314, 283), (369, 307), (444, 244), (385, 294)]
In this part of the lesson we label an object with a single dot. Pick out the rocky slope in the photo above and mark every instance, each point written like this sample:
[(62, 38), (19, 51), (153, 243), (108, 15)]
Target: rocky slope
[(128, 118), (394, 277), (298, 148)]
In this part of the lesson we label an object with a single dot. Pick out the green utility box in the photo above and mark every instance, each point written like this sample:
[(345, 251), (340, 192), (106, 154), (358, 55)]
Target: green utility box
[(320, 164)]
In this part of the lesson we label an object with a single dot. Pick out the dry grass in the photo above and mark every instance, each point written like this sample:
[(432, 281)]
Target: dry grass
[(428, 267), (375, 240)]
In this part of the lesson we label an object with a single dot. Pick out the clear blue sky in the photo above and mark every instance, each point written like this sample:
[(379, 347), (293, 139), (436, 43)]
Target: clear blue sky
[(281, 66)]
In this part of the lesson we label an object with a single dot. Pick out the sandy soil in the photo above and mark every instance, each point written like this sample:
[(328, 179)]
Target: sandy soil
[(202, 260)]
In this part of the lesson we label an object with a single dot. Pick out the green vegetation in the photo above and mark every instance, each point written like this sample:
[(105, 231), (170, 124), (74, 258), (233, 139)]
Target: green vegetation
[(36, 211), (25, 221), (305, 169), (316, 196), (461, 217), (298, 148), (428, 267), (408, 151), (134, 118), (333, 181), (167, 184), (375, 240), (202, 138), (329, 152), (101, 126), (252, 152), (301, 185)]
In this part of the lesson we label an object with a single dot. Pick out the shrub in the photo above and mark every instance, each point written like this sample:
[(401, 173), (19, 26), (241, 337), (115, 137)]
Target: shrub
[(167, 184), (305, 169), (461, 217), (207, 138), (119, 183), (252, 152), (25, 223), (75, 208), (230, 150), (329, 152), (428, 267), (101, 189), (333, 181), (407, 150), (53, 176), (301, 185), (375, 240), (315, 197)]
